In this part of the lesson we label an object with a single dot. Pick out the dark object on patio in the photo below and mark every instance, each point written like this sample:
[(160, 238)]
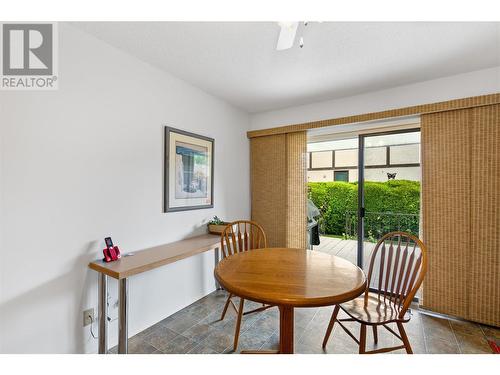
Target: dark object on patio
[(315, 235), (240, 236), (401, 259), (312, 225), (391, 176)]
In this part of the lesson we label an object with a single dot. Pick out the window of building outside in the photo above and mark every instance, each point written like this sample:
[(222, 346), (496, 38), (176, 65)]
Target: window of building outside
[(341, 176), (394, 156)]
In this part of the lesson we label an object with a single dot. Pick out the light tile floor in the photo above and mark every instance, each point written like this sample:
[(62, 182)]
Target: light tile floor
[(197, 329)]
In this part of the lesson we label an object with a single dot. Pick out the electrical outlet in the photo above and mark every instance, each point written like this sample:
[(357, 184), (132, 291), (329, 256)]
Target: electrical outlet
[(88, 317)]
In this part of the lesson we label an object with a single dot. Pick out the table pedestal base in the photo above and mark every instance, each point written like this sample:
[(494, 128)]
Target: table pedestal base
[(286, 334), (286, 330)]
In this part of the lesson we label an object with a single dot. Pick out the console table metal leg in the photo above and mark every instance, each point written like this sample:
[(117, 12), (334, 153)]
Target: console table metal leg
[(103, 314), (123, 317), (216, 252)]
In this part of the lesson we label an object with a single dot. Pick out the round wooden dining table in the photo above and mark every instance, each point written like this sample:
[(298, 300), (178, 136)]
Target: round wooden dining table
[(290, 278)]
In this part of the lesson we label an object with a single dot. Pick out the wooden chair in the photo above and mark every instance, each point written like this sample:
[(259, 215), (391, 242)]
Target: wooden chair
[(397, 268), (236, 237)]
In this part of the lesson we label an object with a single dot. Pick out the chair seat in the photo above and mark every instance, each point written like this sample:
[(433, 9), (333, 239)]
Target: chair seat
[(375, 312)]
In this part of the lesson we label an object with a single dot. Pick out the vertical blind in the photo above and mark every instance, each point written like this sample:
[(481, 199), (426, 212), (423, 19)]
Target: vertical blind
[(461, 218), (484, 258), (278, 186)]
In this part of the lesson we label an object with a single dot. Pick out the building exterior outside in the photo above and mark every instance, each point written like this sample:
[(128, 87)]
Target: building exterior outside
[(401, 161)]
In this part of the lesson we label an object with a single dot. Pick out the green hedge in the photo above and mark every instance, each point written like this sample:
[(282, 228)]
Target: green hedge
[(336, 199)]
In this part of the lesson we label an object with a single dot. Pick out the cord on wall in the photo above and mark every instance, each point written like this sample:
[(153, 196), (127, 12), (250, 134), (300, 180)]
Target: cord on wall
[(91, 324)]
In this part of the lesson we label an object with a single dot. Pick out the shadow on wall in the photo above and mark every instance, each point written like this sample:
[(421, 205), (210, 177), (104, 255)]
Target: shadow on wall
[(78, 283)]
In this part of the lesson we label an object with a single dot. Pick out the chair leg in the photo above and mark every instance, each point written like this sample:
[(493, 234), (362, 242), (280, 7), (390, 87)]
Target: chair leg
[(362, 339), (238, 324), (403, 335), (330, 325), (375, 335), (226, 306)]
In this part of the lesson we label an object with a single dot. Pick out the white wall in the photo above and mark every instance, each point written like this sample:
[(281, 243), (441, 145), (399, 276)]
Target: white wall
[(85, 162), (454, 87)]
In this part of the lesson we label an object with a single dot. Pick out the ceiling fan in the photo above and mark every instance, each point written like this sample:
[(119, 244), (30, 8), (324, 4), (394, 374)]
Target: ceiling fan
[(288, 34)]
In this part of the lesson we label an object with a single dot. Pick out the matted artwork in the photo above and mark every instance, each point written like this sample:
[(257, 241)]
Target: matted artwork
[(189, 165)]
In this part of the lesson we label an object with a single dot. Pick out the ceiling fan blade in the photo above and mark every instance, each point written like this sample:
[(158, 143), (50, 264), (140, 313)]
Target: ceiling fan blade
[(287, 35)]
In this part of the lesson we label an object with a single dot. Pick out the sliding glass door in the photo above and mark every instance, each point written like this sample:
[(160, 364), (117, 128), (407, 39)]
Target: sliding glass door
[(388, 188), (363, 187), (332, 173)]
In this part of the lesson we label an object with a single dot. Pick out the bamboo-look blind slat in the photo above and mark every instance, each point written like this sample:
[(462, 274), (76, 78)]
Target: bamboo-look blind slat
[(296, 190), (445, 139), (278, 184), (268, 174), (484, 258), (461, 218)]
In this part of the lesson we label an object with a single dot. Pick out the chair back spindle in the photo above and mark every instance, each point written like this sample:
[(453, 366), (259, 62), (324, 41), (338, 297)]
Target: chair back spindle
[(397, 268), (242, 235)]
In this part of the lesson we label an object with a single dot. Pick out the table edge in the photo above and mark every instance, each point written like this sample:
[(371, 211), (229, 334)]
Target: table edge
[(312, 302)]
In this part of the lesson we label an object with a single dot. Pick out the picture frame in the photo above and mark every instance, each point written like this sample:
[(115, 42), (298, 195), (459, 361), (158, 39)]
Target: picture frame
[(188, 171)]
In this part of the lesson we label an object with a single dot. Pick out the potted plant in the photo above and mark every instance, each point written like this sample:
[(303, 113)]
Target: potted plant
[(216, 225)]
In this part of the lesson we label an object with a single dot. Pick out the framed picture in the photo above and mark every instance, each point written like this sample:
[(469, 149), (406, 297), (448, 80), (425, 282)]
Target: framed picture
[(189, 168)]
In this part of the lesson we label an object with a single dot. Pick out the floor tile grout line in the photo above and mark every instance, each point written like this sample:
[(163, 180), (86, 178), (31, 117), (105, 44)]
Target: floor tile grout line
[(423, 333), (485, 336), (241, 332), (144, 338), (466, 334), (450, 327), (177, 332), (455, 336), (307, 325), (482, 331), (174, 338), (191, 326), (214, 328), (180, 333), (264, 343), (157, 347), (335, 328)]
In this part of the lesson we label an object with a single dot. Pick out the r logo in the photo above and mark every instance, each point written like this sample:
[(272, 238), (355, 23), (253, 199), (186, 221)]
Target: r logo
[(27, 49)]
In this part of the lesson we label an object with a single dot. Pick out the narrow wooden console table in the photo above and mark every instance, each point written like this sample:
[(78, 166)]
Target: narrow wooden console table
[(138, 262)]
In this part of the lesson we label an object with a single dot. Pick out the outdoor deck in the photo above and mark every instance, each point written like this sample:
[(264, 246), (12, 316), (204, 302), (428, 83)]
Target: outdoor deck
[(346, 249)]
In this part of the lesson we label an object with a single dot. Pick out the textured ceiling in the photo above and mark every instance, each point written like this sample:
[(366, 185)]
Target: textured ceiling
[(237, 61)]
